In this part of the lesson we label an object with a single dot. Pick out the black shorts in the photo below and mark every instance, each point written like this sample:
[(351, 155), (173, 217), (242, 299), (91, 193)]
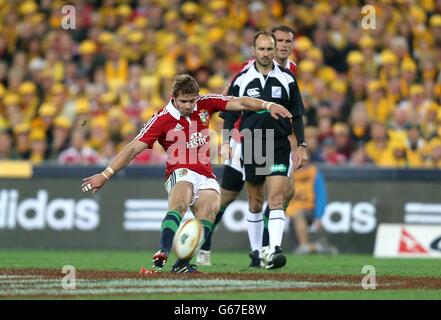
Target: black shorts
[(232, 180), (278, 165)]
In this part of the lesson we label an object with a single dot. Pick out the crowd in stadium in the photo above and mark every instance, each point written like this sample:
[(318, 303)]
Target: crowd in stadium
[(76, 96)]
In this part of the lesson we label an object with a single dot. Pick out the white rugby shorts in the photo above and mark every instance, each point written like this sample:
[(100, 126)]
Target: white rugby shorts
[(199, 182)]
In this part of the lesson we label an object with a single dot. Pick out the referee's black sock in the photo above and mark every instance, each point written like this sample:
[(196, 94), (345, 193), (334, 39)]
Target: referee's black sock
[(169, 225), (207, 244)]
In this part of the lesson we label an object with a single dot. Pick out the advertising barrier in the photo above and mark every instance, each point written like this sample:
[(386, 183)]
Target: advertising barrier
[(50, 211), (408, 241)]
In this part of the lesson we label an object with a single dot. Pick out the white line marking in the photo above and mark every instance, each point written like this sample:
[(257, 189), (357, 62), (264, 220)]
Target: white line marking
[(97, 287)]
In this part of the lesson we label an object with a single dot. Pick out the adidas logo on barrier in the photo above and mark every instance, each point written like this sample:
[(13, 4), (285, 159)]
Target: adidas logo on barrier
[(142, 214)]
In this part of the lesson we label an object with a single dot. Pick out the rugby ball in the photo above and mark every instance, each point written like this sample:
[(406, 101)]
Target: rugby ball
[(188, 239)]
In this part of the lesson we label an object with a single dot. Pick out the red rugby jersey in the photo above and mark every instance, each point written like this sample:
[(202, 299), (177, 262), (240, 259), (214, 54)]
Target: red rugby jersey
[(185, 139)]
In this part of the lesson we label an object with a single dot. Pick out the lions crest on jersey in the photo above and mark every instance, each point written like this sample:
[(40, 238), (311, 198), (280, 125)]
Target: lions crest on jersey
[(204, 117)]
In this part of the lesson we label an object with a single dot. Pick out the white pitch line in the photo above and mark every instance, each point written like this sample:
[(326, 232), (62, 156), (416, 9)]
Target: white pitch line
[(176, 282), (97, 287), (19, 277), (127, 290)]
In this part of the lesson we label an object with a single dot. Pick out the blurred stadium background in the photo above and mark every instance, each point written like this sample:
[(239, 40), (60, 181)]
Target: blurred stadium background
[(71, 98)]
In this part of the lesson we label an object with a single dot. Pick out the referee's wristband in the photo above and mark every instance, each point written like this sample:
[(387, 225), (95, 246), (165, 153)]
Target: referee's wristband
[(303, 144)]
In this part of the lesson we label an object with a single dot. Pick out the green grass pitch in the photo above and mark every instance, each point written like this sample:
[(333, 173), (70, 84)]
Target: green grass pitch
[(131, 261)]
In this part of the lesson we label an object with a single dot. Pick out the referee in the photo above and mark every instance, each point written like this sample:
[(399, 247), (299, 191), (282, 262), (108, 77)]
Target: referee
[(268, 81)]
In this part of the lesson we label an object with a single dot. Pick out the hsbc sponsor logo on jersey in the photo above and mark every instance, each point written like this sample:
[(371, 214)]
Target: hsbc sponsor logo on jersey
[(41, 212), (253, 92), (189, 147), (197, 140)]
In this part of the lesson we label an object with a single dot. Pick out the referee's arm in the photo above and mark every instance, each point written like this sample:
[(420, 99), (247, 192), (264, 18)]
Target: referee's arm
[(298, 110), (230, 117), (300, 155)]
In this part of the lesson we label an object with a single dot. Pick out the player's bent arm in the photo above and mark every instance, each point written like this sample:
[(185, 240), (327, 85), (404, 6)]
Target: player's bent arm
[(253, 104)]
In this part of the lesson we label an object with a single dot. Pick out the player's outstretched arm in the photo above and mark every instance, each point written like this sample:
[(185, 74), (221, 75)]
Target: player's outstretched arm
[(253, 104), (130, 151)]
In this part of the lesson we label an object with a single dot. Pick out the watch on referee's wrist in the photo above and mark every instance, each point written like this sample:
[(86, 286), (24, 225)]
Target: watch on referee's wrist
[(303, 144)]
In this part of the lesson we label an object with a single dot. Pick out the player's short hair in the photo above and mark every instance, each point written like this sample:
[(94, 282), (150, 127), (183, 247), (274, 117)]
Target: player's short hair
[(185, 84), (283, 28), (263, 33)]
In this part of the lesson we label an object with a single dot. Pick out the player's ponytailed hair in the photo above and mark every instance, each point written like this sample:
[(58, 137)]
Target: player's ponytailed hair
[(185, 84), (283, 28), (263, 33)]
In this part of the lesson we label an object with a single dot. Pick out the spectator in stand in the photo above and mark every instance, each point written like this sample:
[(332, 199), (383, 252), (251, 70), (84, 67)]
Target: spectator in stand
[(39, 146), (61, 134), (311, 135), (376, 147), (397, 155), (330, 154), (342, 140), (22, 142), (130, 51), (359, 125), (433, 160), (5, 145), (359, 157), (78, 153)]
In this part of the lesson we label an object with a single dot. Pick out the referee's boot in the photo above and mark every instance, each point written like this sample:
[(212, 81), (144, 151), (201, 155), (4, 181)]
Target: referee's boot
[(277, 259), (255, 259)]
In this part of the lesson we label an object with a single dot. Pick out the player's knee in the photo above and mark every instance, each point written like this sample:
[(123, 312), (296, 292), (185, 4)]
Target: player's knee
[(180, 206), (275, 201), (256, 206), (209, 214), (228, 197)]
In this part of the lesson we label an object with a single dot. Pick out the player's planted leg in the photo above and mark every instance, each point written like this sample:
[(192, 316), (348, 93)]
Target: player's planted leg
[(179, 199), (169, 226)]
